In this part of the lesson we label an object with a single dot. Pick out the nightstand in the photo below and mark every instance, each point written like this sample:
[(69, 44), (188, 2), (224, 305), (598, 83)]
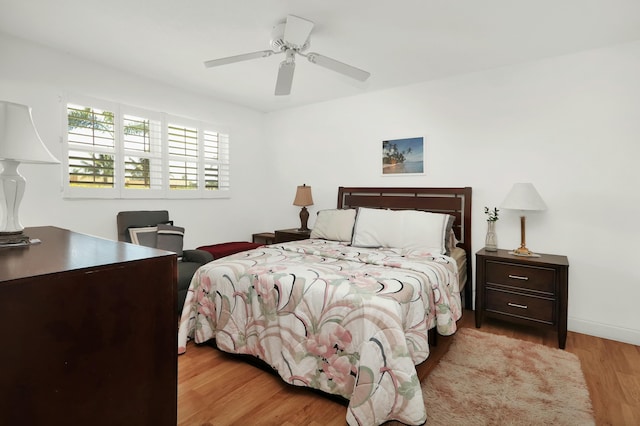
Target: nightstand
[(284, 235), (523, 290), (264, 238)]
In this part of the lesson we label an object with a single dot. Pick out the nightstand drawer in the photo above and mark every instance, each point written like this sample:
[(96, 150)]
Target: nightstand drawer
[(286, 235), (535, 308), (527, 277)]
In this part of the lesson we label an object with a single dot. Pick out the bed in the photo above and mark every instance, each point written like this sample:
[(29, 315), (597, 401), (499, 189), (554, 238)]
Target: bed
[(349, 311)]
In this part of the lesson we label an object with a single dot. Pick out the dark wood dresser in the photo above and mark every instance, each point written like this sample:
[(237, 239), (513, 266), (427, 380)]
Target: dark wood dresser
[(89, 332), (524, 290)]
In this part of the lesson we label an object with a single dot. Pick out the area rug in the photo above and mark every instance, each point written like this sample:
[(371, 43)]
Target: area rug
[(487, 379)]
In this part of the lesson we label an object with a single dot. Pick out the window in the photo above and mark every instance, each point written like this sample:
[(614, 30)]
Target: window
[(142, 150), (183, 157), (116, 151), (91, 147)]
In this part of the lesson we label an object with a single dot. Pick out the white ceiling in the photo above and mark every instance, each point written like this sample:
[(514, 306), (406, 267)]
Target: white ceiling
[(400, 42)]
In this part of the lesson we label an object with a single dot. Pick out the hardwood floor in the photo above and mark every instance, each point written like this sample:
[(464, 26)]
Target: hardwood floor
[(215, 388)]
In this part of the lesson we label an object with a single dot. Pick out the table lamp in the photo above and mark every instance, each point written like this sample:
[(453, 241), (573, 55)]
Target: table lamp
[(303, 199), (19, 143), (525, 198)]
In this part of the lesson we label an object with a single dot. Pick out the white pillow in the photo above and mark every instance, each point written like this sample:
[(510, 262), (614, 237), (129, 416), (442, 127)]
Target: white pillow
[(369, 229), (406, 229), (334, 225)]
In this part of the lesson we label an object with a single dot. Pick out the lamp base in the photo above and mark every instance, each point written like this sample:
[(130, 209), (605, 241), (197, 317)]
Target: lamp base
[(304, 217), (523, 252), (14, 239)]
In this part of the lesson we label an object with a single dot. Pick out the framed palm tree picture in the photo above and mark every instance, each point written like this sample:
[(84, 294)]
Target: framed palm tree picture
[(403, 157)]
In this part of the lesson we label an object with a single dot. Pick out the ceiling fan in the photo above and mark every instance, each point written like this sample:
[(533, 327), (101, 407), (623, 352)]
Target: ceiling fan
[(292, 38)]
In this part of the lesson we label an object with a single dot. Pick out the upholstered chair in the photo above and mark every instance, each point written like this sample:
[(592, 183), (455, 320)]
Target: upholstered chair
[(140, 225)]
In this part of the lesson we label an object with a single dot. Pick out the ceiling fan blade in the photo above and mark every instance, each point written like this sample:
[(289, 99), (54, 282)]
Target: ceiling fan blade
[(297, 30), (338, 66), (285, 76), (239, 58)]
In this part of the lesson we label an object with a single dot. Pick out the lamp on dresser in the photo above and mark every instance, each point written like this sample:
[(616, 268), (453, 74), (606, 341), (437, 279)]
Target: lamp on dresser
[(525, 198), (303, 199), (19, 143)]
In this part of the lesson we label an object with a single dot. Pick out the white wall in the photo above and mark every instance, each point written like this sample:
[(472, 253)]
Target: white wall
[(38, 76), (570, 125)]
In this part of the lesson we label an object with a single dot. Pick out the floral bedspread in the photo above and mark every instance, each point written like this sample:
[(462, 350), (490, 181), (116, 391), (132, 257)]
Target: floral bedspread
[(348, 321)]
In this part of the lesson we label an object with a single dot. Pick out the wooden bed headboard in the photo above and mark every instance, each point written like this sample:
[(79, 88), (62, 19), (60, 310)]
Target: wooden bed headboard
[(453, 201)]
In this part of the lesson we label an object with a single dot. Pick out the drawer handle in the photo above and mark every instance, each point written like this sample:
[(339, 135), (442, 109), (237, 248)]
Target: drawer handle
[(518, 277), (515, 305)]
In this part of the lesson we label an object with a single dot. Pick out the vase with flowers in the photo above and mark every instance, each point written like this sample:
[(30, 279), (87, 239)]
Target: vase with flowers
[(491, 240)]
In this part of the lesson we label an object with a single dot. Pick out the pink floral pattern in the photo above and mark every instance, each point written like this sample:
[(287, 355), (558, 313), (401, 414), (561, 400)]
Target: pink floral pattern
[(349, 321)]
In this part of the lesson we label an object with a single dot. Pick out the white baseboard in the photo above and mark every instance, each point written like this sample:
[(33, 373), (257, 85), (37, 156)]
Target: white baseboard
[(605, 331)]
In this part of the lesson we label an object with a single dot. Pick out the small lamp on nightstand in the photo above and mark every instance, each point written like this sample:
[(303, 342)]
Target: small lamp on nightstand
[(523, 197), (303, 199)]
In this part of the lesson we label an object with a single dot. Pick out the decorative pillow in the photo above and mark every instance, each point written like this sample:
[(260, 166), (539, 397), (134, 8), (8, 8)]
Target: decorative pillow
[(334, 225), (448, 232), (406, 229), (170, 238), (144, 236)]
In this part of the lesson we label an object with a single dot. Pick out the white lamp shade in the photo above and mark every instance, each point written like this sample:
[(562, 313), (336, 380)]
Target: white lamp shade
[(523, 196), (19, 139)]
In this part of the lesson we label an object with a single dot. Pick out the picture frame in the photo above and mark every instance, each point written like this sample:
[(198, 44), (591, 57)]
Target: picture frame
[(403, 157)]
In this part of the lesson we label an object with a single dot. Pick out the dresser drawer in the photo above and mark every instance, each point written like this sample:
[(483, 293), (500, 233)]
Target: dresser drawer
[(521, 276), (535, 308)]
